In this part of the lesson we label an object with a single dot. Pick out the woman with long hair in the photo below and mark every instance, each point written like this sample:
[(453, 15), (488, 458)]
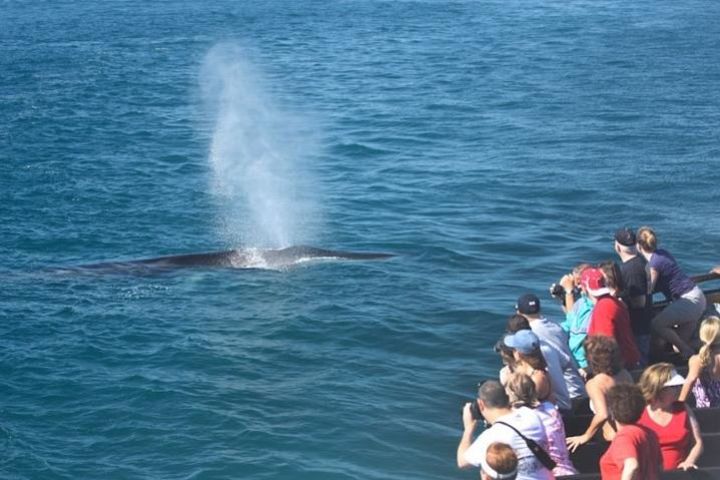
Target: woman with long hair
[(703, 377), (521, 392), (677, 322), (530, 361)]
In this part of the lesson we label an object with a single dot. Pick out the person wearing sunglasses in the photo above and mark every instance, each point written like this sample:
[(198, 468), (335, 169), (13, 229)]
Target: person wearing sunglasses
[(672, 421)]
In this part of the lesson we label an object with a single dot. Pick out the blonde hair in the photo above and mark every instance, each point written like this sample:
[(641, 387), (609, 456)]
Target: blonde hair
[(521, 391), (710, 337), (653, 380), (647, 239)]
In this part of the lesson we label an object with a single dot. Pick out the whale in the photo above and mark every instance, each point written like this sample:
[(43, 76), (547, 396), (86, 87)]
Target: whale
[(242, 258)]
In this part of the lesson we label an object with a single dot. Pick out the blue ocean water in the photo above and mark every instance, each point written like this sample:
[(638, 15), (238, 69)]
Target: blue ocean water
[(490, 145)]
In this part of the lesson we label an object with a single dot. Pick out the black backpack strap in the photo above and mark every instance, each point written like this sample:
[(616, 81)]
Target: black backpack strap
[(534, 447), (516, 430)]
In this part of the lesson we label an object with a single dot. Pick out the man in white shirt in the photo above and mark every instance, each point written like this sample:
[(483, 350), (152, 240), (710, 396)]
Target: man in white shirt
[(494, 407)]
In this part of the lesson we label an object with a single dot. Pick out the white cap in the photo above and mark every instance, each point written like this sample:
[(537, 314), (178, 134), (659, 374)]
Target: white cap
[(494, 474), (676, 380)]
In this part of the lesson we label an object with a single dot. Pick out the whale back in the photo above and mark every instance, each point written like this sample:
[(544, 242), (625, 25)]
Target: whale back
[(250, 258)]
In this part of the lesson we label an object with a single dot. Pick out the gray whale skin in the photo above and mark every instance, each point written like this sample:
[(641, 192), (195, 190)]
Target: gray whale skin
[(240, 258)]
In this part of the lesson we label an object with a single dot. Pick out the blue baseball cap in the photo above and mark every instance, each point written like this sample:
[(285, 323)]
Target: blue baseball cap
[(524, 341)]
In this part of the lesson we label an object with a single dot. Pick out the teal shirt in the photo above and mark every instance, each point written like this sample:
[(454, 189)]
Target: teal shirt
[(576, 325)]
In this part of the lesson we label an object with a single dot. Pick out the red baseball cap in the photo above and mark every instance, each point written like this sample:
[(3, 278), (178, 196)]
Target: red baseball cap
[(594, 282)]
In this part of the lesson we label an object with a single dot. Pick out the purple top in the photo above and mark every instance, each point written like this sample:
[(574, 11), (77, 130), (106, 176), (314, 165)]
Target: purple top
[(706, 390), (672, 282)]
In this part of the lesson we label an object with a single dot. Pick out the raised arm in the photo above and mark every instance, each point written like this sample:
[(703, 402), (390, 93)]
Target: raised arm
[(597, 397), (469, 425), (568, 282), (694, 368)]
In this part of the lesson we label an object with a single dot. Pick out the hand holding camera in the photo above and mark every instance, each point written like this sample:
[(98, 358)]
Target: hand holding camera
[(471, 414)]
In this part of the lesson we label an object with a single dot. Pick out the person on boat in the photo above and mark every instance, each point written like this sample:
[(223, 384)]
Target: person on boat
[(507, 357), (505, 423), (613, 279), (703, 377), (500, 463), (521, 391), (529, 359), (517, 322), (672, 421), (676, 323), (634, 452), (577, 315), (610, 316), (567, 383), (606, 365), (635, 290)]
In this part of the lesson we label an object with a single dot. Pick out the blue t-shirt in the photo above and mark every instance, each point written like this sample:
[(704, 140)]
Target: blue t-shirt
[(671, 281)]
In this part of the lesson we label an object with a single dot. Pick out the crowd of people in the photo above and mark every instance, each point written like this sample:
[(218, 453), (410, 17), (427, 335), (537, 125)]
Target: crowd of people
[(582, 365)]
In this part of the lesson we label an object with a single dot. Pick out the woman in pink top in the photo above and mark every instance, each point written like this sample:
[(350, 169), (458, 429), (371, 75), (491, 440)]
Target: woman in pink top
[(672, 421), (521, 392)]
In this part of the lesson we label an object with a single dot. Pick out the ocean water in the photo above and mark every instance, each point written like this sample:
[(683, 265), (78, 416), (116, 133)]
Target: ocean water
[(490, 145)]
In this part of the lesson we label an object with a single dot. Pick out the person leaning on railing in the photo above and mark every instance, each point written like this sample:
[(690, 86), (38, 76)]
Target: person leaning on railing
[(676, 323)]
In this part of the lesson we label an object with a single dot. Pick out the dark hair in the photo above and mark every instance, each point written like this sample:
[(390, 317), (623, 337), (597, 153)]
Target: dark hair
[(493, 395), (613, 277), (535, 359), (516, 323), (625, 403), (603, 355), (506, 353)]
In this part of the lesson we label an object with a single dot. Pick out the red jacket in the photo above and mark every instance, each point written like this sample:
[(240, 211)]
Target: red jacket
[(610, 317)]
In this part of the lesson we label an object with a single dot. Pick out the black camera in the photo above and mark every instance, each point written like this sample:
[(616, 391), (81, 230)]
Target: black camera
[(557, 290), (475, 410)]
